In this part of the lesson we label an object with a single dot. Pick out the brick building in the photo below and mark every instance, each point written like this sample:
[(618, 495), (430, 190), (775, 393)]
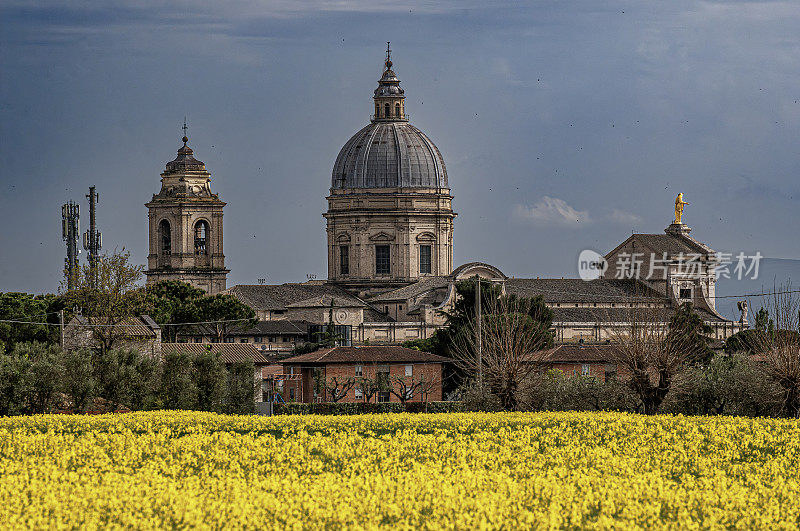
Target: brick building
[(598, 361), (356, 374)]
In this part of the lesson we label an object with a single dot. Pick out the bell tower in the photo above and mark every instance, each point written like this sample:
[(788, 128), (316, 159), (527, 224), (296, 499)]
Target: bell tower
[(185, 226)]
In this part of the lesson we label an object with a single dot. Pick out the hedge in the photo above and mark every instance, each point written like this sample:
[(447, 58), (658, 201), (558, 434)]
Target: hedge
[(357, 408)]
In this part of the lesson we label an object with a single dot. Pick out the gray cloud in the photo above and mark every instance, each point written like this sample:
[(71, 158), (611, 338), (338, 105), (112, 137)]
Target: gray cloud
[(609, 109)]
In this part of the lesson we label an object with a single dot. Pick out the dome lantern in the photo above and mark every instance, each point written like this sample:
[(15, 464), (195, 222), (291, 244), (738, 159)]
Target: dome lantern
[(389, 97)]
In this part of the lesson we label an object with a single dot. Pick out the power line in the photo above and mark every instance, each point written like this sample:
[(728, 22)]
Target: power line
[(124, 325)]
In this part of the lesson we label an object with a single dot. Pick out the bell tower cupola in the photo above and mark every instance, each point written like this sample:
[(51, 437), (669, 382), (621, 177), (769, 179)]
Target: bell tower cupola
[(185, 226), (389, 97)]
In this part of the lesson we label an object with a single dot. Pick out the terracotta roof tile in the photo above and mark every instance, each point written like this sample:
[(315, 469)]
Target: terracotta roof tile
[(369, 354), (230, 352)]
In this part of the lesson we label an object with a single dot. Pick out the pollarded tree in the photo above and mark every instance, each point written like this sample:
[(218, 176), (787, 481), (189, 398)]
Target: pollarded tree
[(337, 387), (512, 347), (654, 355), (369, 387), (778, 346)]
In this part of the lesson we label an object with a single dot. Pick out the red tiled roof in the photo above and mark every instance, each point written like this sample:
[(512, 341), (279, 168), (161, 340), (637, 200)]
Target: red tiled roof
[(371, 354), (229, 352)]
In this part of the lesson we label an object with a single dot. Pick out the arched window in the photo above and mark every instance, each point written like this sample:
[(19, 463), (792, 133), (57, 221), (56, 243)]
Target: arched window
[(165, 236), (387, 111), (377, 110), (201, 238), (397, 110)]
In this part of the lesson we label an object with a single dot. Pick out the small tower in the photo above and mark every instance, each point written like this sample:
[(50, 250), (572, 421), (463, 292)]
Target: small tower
[(185, 221), (389, 97)]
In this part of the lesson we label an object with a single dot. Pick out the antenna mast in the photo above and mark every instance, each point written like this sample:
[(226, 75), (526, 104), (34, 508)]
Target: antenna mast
[(70, 220), (92, 239)]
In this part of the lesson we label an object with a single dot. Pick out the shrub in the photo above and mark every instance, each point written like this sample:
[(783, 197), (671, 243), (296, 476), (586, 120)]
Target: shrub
[(356, 408), (728, 385), (555, 391)]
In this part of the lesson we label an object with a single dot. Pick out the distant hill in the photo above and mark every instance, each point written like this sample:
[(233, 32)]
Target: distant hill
[(772, 272)]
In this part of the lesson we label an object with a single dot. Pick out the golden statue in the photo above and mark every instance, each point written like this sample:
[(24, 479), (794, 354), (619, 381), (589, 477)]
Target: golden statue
[(679, 202)]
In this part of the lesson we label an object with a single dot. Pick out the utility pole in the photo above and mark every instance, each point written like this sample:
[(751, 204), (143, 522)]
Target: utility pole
[(61, 325), (478, 326), (70, 219), (92, 239)]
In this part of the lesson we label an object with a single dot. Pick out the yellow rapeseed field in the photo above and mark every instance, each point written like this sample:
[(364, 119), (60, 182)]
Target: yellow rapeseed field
[(466, 471)]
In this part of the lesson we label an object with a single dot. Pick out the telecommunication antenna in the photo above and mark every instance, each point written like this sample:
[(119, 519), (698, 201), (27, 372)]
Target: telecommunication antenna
[(70, 221), (92, 239)]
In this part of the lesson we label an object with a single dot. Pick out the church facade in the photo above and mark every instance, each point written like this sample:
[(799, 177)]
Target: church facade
[(390, 228)]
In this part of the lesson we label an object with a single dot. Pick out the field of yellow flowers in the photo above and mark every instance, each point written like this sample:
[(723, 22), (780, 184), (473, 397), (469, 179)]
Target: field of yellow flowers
[(458, 470)]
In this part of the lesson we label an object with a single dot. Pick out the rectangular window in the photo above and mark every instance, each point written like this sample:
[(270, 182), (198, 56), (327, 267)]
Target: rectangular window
[(686, 293), (243, 340), (425, 259), (229, 340), (291, 393), (382, 378), (258, 339), (359, 370), (198, 340), (291, 371), (382, 260), (344, 259), (359, 393), (409, 370)]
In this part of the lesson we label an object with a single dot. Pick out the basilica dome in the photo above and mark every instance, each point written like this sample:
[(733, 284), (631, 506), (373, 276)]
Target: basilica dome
[(389, 152)]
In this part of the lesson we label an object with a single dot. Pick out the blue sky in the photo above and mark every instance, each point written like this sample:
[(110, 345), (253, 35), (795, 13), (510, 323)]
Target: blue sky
[(564, 125)]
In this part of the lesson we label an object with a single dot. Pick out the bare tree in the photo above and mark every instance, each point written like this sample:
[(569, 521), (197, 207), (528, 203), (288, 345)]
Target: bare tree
[(652, 354), (337, 387), (778, 346), (405, 387), (512, 347), (369, 387)]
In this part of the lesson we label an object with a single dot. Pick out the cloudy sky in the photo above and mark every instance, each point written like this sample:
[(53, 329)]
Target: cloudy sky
[(564, 125)]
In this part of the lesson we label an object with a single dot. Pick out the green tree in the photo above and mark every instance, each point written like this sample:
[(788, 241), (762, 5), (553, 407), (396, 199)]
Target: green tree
[(727, 385), (14, 384), (223, 312), (171, 303), (78, 381), (688, 330), (31, 309), (241, 388), (178, 387), (210, 380), (126, 377), (43, 374), (116, 298)]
